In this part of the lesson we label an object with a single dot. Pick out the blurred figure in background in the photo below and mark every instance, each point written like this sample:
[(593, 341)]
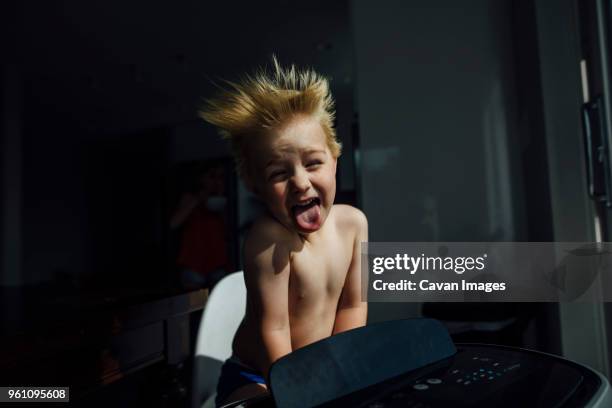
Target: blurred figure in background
[(201, 214)]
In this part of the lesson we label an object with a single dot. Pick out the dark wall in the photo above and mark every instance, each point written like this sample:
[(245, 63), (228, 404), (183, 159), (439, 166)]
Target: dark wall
[(92, 203)]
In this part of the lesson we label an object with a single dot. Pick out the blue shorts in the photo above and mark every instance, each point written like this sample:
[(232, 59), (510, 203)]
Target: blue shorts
[(234, 374)]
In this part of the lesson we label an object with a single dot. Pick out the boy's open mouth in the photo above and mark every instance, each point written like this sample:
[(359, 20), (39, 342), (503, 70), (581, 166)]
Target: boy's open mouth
[(307, 214)]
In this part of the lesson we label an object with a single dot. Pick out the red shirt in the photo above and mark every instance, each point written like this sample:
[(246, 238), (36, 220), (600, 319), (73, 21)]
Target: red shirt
[(203, 245)]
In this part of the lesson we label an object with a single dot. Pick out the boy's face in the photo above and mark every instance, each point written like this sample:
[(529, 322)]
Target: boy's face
[(295, 174)]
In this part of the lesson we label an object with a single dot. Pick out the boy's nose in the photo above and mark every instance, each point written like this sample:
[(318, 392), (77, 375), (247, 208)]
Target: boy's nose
[(300, 182)]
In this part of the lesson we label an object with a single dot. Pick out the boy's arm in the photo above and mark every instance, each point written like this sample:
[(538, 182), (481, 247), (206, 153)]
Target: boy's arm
[(352, 312), (267, 281)]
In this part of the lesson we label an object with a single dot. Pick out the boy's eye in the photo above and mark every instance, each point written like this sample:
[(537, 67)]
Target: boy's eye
[(276, 175), (313, 163)]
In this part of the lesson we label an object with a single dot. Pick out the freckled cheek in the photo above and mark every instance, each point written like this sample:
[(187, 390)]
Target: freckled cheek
[(328, 182), (277, 194)]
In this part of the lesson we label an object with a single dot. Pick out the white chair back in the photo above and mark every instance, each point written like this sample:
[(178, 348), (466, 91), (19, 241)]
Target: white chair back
[(221, 317)]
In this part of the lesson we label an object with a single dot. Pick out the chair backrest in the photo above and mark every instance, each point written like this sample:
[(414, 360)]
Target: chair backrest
[(221, 317)]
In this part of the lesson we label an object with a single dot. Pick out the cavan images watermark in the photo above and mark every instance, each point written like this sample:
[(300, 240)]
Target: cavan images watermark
[(486, 271)]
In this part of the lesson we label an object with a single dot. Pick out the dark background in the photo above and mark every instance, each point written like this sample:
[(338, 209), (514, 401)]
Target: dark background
[(460, 122)]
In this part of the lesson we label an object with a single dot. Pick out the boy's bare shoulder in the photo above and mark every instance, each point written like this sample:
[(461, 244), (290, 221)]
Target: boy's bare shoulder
[(266, 234), (267, 228), (349, 217)]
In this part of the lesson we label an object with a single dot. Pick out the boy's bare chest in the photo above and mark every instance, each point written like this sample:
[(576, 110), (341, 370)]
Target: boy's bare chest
[(319, 270)]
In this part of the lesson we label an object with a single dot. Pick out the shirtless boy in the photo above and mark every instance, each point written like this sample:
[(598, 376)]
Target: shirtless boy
[(302, 258)]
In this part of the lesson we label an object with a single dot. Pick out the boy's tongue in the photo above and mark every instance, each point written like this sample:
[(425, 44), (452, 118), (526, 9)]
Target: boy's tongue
[(308, 217)]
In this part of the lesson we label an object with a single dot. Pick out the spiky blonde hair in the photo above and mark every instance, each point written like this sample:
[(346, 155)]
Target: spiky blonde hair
[(263, 101)]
